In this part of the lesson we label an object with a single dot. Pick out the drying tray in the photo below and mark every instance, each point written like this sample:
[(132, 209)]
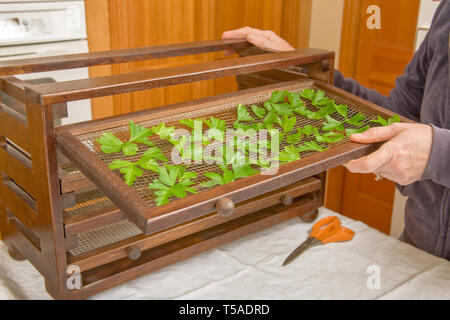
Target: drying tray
[(78, 143)]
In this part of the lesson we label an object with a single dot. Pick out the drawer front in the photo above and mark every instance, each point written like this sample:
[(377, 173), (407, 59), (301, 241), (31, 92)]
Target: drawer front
[(94, 246)]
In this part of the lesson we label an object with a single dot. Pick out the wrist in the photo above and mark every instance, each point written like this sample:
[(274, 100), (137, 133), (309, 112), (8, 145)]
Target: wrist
[(438, 167)]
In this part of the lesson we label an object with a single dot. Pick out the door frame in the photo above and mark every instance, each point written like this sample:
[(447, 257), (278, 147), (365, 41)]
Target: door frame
[(347, 65)]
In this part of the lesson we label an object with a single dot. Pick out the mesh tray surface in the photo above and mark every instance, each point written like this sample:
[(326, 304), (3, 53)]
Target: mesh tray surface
[(225, 112)]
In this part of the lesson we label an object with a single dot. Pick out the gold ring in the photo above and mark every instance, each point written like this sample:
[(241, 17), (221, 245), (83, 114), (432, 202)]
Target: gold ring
[(378, 177)]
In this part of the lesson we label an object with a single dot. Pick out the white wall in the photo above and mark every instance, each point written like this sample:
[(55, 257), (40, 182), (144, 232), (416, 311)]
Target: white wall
[(326, 25)]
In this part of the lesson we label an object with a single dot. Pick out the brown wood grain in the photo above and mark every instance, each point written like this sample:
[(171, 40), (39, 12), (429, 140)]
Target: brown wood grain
[(71, 61), (122, 83), (114, 273), (16, 169), (35, 170), (119, 24), (13, 127), (84, 222), (104, 255), (49, 225), (19, 204)]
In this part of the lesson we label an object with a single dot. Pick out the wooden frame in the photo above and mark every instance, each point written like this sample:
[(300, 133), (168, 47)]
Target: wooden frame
[(36, 192), (151, 219)]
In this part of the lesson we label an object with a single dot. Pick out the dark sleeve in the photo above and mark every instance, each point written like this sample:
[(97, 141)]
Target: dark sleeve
[(438, 168), (406, 97)]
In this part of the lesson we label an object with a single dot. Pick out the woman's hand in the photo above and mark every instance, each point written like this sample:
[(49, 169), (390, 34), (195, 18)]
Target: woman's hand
[(402, 159), (262, 39)]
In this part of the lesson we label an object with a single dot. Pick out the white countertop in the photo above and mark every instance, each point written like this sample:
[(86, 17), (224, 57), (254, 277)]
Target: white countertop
[(250, 268)]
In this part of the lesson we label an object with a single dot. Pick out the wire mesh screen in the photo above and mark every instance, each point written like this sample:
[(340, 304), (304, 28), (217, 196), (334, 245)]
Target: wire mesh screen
[(105, 235), (225, 112), (88, 201)]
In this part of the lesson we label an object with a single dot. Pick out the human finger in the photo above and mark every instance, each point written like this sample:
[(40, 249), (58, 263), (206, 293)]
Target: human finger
[(378, 134), (260, 41), (244, 33), (373, 161), (229, 52)]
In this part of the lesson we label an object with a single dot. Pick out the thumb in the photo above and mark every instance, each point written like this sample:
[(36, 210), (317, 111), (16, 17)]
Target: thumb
[(378, 134)]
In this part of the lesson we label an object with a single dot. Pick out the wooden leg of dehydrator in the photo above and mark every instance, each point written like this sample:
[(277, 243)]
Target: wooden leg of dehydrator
[(310, 216), (14, 253)]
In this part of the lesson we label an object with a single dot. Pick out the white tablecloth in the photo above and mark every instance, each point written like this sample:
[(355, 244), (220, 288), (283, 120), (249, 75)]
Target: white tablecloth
[(250, 268)]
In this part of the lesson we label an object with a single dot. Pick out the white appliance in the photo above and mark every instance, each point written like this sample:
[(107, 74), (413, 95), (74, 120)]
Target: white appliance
[(38, 29), (426, 13)]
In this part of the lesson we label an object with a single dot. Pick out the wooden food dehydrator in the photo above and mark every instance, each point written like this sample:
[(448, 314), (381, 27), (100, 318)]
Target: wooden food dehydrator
[(61, 206)]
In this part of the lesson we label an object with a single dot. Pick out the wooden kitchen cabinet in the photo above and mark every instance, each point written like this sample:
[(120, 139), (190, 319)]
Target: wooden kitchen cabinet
[(119, 24)]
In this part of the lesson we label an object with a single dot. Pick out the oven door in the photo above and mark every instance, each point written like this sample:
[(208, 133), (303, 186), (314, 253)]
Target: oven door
[(78, 111)]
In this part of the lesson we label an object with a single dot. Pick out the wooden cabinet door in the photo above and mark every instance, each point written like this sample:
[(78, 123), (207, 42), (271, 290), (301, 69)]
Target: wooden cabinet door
[(117, 24), (375, 58)]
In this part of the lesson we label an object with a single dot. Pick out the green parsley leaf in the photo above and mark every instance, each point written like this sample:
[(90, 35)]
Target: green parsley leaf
[(272, 132), (110, 143), (328, 108), (258, 111), (308, 94), (129, 149), (149, 164), (215, 179), (242, 171), (393, 119), (380, 121), (172, 181), (130, 170), (384, 123), (287, 123), (131, 174), (318, 97), (283, 109), (218, 124), (155, 153), (342, 109), (308, 130), (278, 96), (295, 100), (139, 134), (268, 105), (228, 176), (163, 132), (359, 130), (310, 146), (332, 124), (270, 119), (326, 102), (357, 120), (294, 138), (190, 123), (302, 110), (255, 126), (243, 114), (118, 163), (329, 137), (289, 154)]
